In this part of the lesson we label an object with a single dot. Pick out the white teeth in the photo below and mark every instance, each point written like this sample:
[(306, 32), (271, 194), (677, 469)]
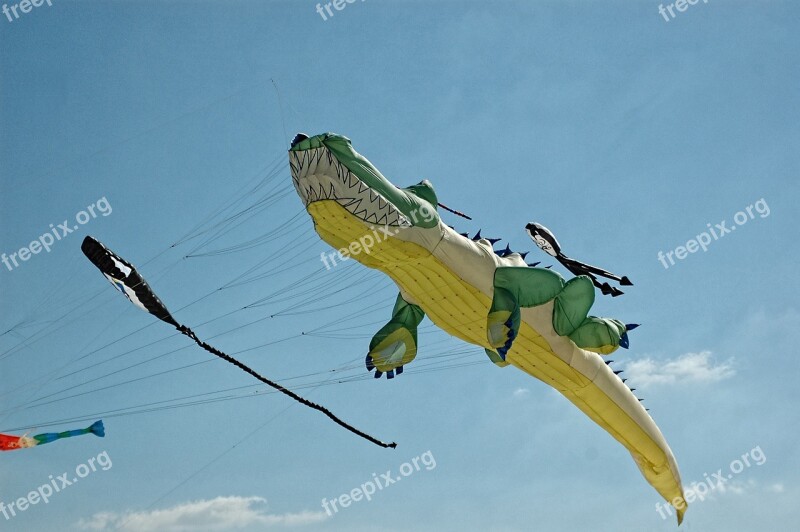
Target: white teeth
[(318, 176), (353, 205)]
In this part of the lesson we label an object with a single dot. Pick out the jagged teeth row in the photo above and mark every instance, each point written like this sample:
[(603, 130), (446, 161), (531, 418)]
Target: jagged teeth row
[(358, 199), (368, 205), (307, 161)]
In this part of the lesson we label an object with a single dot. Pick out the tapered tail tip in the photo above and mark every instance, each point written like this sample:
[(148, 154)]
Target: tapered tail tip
[(98, 429)]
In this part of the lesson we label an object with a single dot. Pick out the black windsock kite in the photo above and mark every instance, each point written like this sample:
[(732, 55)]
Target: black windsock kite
[(124, 276), (546, 240)]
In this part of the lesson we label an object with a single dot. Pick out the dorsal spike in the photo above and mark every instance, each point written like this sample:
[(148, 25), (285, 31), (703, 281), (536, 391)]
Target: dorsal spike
[(494, 241), (524, 254), (477, 236), (465, 235), (534, 264)]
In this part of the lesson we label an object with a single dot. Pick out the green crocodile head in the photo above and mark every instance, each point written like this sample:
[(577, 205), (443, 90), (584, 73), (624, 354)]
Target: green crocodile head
[(326, 167)]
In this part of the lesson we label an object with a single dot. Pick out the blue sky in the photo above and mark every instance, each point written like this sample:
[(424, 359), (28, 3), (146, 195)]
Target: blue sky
[(624, 133)]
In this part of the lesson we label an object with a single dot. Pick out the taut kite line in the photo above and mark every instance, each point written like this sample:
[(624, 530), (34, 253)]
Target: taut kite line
[(124, 276)]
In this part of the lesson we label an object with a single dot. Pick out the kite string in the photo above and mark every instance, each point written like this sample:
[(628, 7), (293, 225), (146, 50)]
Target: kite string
[(211, 349), (280, 106)]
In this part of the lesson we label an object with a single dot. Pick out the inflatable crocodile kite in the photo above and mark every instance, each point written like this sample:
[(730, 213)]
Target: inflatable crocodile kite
[(522, 316)]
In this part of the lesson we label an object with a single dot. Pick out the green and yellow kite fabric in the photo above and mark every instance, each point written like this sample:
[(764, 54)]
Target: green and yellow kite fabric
[(523, 316)]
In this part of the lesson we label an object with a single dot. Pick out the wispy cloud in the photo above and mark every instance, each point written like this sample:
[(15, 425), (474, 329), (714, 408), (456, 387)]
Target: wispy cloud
[(740, 487), (690, 367), (218, 514), (521, 392), (776, 488)]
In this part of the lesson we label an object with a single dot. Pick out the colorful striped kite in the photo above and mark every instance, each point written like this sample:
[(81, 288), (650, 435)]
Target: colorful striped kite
[(10, 442)]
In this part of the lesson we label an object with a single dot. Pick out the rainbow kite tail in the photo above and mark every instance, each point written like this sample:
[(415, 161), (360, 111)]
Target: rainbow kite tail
[(97, 429)]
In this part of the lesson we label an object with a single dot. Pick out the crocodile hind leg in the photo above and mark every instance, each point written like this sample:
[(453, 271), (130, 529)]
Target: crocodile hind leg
[(571, 318), (520, 287), (395, 345)]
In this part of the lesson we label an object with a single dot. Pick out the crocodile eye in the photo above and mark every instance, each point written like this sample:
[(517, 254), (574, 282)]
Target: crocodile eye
[(300, 137)]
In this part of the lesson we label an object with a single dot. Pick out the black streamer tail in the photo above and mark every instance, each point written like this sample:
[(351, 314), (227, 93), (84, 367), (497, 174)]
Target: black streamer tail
[(213, 350)]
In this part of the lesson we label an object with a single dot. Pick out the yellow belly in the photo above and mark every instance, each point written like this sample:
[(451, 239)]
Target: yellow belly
[(461, 310)]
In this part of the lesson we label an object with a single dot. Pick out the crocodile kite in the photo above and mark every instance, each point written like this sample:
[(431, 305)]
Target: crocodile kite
[(522, 316)]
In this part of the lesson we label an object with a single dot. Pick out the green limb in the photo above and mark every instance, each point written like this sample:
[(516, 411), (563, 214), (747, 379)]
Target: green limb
[(529, 286), (503, 321), (570, 318), (395, 345), (496, 358), (515, 288), (601, 335), (572, 305)]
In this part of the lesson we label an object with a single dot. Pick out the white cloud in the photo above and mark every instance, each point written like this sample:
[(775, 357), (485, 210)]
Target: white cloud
[(776, 488), (521, 392), (218, 514), (690, 367), (737, 487)]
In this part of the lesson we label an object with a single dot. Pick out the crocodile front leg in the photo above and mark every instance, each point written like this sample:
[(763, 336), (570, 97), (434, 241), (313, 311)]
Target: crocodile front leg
[(395, 345)]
